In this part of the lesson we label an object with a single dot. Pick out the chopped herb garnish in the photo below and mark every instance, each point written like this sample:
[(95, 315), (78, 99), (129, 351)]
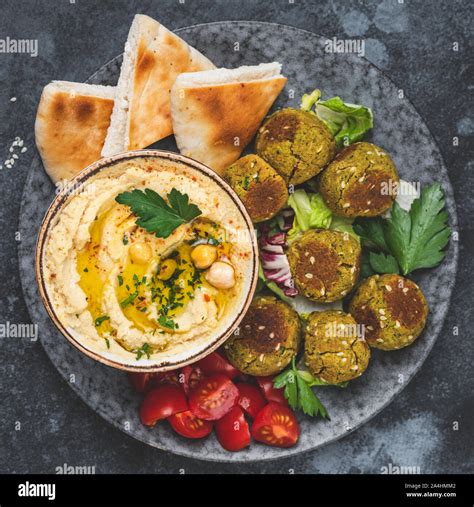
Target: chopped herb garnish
[(165, 321), (85, 270), (145, 349), (98, 321), (120, 280), (125, 239), (214, 241), (129, 299)]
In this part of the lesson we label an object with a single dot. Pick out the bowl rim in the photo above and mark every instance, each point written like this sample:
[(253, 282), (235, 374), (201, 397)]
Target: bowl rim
[(62, 198)]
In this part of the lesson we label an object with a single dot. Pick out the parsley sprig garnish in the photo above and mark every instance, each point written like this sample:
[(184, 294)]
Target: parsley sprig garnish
[(298, 392), (154, 214), (408, 240)]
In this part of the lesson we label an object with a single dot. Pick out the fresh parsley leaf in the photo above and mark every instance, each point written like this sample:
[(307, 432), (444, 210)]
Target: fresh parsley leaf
[(411, 240), (154, 214), (417, 238), (180, 203), (98, 321), (282, 378), (383, 263), (297, 390), (365, 267), (308, 402), (291, 390), (371, 230)]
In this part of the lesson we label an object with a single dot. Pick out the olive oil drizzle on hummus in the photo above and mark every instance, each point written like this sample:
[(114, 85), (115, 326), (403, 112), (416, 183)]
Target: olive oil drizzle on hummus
[(150, 303)]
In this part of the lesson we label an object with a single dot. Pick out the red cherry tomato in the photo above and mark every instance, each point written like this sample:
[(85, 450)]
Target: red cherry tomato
[(233, 431), (270, 392), (276, 425), (162, 402), (213, 397), (190, 376), (215, 364), (141, 382), (188, 425), (251, 399)]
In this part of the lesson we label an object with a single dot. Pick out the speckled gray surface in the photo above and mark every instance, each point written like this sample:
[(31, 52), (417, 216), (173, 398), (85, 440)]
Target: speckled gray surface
[(414, 152), (418, 429)]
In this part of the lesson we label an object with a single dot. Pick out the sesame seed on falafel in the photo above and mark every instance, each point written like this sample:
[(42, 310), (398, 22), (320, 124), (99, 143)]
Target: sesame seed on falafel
[(325, 264), (357, 182), (268, 338), (262, 190), (393, 310)]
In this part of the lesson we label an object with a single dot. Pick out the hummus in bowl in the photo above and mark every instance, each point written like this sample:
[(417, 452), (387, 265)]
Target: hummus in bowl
[(147, 261)]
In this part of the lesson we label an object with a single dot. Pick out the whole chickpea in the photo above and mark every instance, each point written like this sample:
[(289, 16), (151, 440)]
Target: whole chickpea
[(221, 275), (140, 253), (203, 256)]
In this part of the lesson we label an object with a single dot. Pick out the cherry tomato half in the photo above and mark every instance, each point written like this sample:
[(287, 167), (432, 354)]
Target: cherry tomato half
[(233, 431), (161, 402), (276, 425), (270, 392), (251, 399), (215, 364), (190, 376), (213, 397), (188, 425), (141, 382)]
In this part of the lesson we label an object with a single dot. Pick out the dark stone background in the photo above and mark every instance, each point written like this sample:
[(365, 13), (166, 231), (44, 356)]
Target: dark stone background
[(412, 41)]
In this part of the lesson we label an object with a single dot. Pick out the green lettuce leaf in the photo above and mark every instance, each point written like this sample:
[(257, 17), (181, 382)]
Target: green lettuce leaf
[(347, 122), (343, 224), (310, 212)]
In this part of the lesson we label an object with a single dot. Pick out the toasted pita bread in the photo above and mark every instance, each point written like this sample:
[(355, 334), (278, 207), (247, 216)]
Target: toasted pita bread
[(71, 125), (217, 112), (153, 58)]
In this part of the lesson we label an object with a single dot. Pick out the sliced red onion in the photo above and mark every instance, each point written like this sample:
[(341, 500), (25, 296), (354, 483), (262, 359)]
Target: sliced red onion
[(277, 239), (290, 291), (275, 262)]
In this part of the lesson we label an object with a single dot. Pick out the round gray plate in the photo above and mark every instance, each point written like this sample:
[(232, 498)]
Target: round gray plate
[(398, 128)]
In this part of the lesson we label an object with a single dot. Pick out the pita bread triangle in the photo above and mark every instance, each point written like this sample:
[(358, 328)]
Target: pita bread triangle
[(217, 112), (71, 125), (152, 60)]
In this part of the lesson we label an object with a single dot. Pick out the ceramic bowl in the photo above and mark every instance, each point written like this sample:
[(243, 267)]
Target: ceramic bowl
[(167, 360)]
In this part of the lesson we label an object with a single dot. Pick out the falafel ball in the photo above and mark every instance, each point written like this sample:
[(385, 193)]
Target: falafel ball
[(393, 310), (268, 338), (262, 190), (358, 182), (335, 350), (325, 264), (296, 143)]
